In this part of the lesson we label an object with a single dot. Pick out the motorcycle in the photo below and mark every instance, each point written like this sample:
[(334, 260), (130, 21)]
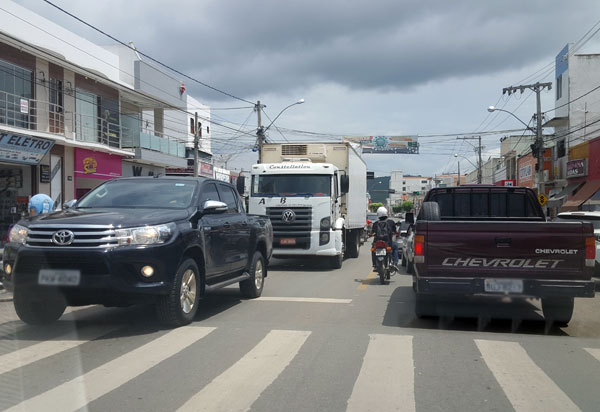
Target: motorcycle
[(383, 259)]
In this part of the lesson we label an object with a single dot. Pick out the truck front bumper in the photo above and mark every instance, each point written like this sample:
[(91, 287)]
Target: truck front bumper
[(531, 287)]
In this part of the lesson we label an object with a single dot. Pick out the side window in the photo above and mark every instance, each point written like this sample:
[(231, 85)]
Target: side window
[(209, 192), (444, 200), (516, 205), (229, 198)]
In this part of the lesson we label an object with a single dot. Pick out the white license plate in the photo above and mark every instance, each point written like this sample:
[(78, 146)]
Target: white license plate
[(59, 277), (503, 285), (380, 252)]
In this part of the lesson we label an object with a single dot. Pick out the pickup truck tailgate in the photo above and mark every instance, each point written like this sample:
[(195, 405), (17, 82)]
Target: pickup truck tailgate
[(535, 250)]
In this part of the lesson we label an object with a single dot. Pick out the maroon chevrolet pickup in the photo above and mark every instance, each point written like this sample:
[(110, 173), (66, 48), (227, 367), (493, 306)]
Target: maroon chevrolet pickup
[(495, 241)]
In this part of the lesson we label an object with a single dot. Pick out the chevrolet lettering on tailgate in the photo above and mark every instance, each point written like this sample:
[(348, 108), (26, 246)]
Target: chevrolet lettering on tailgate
[(505, 263)]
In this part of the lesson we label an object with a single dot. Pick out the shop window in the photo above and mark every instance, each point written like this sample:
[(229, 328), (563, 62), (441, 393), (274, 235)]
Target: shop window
[(16, 94), (56, 108), (192, 130), (559, 87)]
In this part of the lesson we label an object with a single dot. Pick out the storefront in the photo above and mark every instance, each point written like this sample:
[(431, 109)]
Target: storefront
[(131, 169), (19, 159), (92, 168), (583, 173)]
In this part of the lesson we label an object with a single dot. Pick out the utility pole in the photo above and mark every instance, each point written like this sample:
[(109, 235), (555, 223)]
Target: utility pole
[(538, 147), (480, 162), (196, 139), (260, 132)]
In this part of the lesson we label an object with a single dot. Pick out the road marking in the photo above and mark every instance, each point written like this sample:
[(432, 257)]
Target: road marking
[(526, 386), (78, 392), (238, 387), (365, 283), (388, 365), (306, 300), (25, 356), (595, 352)]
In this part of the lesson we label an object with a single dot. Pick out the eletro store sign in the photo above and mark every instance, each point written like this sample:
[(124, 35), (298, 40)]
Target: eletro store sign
[(15, 148)]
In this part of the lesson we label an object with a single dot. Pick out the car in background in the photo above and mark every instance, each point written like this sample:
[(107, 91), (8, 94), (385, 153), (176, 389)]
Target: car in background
[(585, 216)]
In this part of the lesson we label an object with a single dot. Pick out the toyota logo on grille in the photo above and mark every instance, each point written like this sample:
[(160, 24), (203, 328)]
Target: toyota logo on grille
[(63, 237), (288, 216)]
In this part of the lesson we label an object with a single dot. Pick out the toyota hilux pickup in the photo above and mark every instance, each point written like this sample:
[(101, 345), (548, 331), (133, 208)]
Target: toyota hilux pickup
[(488, 241), (165, 241)]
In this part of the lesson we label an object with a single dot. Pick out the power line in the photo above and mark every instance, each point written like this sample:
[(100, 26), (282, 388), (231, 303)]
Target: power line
[(145, 55)]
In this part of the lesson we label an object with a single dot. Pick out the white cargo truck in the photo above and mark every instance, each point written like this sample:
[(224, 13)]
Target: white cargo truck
[(315, 195)]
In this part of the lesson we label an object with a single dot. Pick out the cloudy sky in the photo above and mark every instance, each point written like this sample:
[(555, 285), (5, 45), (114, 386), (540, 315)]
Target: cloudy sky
[(378, 67)]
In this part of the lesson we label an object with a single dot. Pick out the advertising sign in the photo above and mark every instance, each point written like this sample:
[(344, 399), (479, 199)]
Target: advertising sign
[(386, 144), (97, 165), (577, 168), (16, 148), (24, 106)]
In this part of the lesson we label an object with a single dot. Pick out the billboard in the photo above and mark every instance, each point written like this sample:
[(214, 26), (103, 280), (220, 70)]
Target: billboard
[(386, 144)]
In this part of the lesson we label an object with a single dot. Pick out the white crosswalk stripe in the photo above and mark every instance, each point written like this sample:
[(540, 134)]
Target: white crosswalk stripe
[(389, 360), (595, 352), (78, 392), (238, 387), (526, 386), (41, 350)]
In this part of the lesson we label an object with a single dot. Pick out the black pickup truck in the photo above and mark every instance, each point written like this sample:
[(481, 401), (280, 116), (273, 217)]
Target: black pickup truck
[(165, 241)]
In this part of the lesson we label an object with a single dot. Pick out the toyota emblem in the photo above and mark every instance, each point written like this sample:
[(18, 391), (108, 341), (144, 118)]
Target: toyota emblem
[(288, 216), (63, 237)]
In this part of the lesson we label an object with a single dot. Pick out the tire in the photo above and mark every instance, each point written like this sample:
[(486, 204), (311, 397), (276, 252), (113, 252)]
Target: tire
[(37, 307), (430, 211), (179, 307), (353, 249), (424, 307), (558, 310), (252, 288), (336, 261), (410, 268), (403, 263), (381, 272)]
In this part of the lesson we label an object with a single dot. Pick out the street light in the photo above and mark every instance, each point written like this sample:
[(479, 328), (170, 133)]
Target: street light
[(467, 159), (260, 131), (492, 109)]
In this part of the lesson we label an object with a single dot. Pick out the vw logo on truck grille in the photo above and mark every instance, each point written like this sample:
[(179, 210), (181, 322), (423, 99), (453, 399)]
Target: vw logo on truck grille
[(288, 216), (63, 237)]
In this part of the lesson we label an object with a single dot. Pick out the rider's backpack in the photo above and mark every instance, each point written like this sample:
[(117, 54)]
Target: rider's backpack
[(383, 231)]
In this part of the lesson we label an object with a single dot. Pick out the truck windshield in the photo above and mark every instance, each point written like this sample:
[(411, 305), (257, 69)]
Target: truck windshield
[(291, 185), (136, 194)]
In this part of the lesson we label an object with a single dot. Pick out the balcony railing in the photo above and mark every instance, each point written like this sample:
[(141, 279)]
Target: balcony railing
[(33, 114)]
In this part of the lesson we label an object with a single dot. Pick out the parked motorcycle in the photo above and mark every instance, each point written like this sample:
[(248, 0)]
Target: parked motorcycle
[(383, 260)]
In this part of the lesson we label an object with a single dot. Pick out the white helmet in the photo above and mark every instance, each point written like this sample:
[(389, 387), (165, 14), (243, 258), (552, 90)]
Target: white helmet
[(382, 212)]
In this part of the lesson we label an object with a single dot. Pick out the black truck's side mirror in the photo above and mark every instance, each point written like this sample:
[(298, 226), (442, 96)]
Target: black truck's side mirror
[(240, 185), (410, 218), (214, 206), (344, 184), (69, 204)]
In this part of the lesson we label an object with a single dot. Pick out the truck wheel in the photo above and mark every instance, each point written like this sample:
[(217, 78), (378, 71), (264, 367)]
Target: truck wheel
[(558, 310), (253, 287), (37, 307), (353, 248), (179, 307), (336, 261), (424, 307)]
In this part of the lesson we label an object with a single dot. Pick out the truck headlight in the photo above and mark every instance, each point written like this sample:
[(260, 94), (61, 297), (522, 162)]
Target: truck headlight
[(145, 235), (18, 234), (326, 223)]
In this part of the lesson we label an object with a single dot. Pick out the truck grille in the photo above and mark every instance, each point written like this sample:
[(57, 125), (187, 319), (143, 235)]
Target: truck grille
[(73, 236), (297, 228)]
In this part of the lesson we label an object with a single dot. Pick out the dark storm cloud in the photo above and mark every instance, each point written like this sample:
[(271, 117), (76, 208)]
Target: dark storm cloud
[(271, 46)]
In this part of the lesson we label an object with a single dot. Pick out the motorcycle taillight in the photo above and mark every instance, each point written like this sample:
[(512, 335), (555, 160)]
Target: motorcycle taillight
[(380, 244)]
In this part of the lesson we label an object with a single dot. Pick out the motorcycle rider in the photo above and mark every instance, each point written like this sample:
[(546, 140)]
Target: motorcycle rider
[(382, 214)]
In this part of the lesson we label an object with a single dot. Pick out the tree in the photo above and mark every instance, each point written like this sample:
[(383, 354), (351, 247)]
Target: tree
[(397, 209), (374, 206), (407, 205)]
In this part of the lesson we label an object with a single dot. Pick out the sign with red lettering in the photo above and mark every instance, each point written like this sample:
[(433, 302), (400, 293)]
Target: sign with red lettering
[(15, 148)]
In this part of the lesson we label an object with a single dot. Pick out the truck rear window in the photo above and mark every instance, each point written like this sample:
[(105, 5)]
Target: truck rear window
[(484, 204)]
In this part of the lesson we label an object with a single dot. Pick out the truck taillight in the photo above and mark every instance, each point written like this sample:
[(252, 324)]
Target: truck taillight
[(419, 245), (590, 248)]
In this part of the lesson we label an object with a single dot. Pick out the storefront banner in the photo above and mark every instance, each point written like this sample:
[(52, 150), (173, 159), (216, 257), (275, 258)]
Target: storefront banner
[(24, 149), (576, 168), (206, 169), (97, 165)]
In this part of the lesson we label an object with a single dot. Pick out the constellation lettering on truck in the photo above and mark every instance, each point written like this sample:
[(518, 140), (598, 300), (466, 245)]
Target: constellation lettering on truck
[(502, 262), (556, 251)]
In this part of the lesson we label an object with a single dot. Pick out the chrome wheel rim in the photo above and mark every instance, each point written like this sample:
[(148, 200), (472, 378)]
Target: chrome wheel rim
[(188, 291), (258, 275)]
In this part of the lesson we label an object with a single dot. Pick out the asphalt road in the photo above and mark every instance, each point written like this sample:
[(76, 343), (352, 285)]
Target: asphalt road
[(318, 340)]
